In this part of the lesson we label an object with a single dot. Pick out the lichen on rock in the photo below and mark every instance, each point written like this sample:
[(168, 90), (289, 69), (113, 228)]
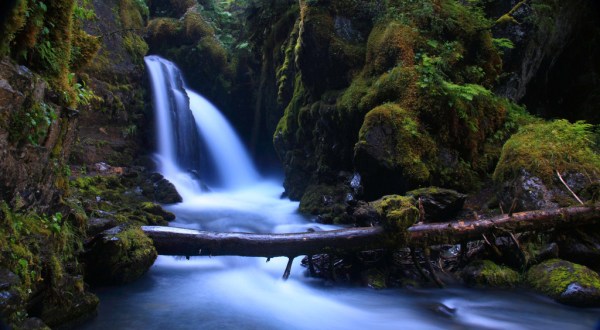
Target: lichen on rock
[(566, 282)]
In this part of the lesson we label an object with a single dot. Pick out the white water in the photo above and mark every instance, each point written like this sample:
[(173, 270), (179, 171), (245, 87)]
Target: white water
[(248, 293)]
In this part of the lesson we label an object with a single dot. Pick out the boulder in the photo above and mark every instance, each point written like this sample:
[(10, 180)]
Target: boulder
[(544, 164), (118, 255), (566, 282), (439, 204), (159, 189)]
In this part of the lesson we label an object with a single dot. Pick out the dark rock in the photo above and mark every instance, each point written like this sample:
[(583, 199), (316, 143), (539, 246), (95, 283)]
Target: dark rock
[(550, 251), (33, 323), (166, 193), (10, 298), (566, 282), (365, 215), (582, 247), (97, 225), (160, 190), (79, 305), (439, 204), (118, 255), (158, 210), (526, 192)]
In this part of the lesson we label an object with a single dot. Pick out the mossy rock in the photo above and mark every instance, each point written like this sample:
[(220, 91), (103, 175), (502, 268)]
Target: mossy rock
[(156, 209), (397, 214), (329, 202), (485, 273), (393, 150), (530, 159), (119, 255), (566, 282)]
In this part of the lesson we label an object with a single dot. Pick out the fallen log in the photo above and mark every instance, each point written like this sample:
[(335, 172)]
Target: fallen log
[(542, 220), (187, 242)]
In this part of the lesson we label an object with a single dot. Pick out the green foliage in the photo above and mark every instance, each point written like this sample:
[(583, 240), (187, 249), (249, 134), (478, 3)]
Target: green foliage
[(545, 147), (32, 125)]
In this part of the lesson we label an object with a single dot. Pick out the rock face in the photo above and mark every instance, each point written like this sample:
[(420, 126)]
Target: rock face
[(35, 136), (112, 128), (566, 282), (119, 255)]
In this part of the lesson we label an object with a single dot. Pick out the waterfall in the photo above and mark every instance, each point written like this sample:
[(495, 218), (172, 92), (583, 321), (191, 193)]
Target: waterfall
[(186, 121)]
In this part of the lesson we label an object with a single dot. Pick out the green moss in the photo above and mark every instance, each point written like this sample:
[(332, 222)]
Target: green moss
[(41, 250), (554, 276), (486, 273), (326, 201), (395, 139), (398, 213), (195, 27), (136, 47), (163, 30), (543, 148)]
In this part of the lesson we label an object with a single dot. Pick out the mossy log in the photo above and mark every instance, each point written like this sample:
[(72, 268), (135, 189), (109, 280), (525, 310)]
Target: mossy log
[(187, 242)]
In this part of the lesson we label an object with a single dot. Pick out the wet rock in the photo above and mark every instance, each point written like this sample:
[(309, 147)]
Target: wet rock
[(98, 225), (159, 189), (10, 299), (439, 204), (582, 247), (118, 255), (566, 282), (156, 209), (525, 192), (485, 273)]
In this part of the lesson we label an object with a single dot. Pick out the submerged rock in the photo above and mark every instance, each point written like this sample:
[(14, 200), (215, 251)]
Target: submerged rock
[(119, 255), (566, 282)]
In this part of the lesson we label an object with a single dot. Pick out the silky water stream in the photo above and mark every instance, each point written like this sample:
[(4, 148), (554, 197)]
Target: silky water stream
[(248, 293)]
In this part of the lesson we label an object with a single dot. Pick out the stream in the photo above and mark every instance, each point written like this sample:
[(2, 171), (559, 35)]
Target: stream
[(248, 293)]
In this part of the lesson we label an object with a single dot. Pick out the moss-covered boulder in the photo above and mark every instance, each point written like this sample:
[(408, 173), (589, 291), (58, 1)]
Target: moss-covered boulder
[(536, 160), (328, 202), (119, 255), (486, 273), (392, 150), (566, 282), (397, 214)]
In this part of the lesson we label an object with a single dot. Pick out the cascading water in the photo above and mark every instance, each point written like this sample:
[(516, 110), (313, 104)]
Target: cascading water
[(247, 293)]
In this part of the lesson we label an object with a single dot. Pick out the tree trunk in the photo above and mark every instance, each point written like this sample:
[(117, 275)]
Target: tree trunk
[(187, 242)]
